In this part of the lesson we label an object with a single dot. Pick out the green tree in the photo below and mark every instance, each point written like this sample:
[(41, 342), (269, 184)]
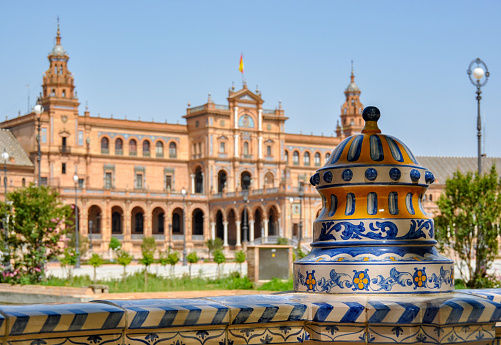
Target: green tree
[(37, 222), (115, 244), (172, 260), (470, 211), (124, 258), (214, 244), (192, 258), (240, 259), (148, 248), (95, 261), (220, 259)]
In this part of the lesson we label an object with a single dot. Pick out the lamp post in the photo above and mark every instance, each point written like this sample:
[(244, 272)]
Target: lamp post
[(291, 201), (480, 76), (301, 196), (5, 157), (244, 226), (90, 234), (183, 192), (38, 112), (170, 236), (77, 231)]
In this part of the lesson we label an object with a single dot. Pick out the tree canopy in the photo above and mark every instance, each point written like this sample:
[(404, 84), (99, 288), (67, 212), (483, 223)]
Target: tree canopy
[(468, 223)]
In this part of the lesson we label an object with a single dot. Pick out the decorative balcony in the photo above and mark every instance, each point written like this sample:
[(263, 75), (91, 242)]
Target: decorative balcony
[(64, 149)]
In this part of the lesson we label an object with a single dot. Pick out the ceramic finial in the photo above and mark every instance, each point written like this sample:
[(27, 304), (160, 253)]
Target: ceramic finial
[(371, 115)]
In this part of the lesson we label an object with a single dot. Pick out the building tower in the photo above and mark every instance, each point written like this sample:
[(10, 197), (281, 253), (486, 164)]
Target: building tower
[(351, 110)]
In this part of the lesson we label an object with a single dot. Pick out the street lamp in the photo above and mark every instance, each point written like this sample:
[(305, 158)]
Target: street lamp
[(291, 201), (301, 196), (183, 192), (38, 112), (244, 226), (77, 234), (480, 76), (90, 234), (5, 157)]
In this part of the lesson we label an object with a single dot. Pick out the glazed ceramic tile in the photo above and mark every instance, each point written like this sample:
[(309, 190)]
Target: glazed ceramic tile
[(47, 318), (263, 309), (91, 339), (267, 335), (337, 333), (334, 308), (164, 313), (194, 337)]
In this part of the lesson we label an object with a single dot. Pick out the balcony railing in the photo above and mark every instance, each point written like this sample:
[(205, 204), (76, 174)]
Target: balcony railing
[(64, 149)]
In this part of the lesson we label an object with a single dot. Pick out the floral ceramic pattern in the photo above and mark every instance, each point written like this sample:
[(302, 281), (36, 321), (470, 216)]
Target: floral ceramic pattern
[(384, 230), (360, 281)]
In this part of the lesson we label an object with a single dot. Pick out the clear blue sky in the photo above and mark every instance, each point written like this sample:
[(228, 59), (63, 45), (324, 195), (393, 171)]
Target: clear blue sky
[(147, 59)]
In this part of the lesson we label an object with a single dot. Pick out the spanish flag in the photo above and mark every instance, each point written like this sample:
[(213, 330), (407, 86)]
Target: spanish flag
[(241, 66)]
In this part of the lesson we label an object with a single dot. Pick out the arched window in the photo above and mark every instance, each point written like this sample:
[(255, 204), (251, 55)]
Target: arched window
[(119, 146), (317, 159), (286, 157), (199, 181), (306, 159), (245, 180), (295, 158), (159, 149), (172, 150), (327, 155), (146, 148), (139, 223), (132, 147), (221, 181), (105, 143)]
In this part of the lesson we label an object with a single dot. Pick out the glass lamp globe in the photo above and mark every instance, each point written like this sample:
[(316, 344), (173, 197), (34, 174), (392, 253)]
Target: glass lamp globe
[(75, 178), (5, 156), (478, 73), (38, 109)]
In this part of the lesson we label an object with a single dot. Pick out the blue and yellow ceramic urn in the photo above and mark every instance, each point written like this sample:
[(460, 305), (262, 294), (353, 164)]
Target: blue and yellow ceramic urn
[(373, 235)]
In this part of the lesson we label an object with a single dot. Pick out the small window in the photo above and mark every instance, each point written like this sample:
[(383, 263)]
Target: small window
[(159, 149), (44, 135), (317, 159), (64, 93), (105, 145), (246, 148), (23, 182), (44, 181), (222, 147), (139, 181), (327, 155), (168, 182), (146, 148), (108, 178), (119, 147), (286, 157), (268, 150), (197, 124), (172, 150), (80, 138), (80, 183), (430, 197), (63, 168), (295, 158), (306, 159), (132, 147)]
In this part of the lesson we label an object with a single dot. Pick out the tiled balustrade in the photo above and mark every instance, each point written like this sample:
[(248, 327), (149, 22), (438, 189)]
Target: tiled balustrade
[(468, 316)]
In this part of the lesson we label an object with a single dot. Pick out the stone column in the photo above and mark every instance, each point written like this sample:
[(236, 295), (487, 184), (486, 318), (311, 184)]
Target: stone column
[(225, 239), (237, 226), (280, 230), (265, 226), (251, 230), (213, 231), (192, 183)]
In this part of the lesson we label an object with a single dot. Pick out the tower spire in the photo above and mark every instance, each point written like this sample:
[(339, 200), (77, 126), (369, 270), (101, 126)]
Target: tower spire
[(58, 37), (352, 74)]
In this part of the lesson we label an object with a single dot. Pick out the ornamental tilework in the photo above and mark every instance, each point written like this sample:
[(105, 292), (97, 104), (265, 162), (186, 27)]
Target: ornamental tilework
[(78, 317), (337, 333), (93, 339), (198, 337), (263, 309), (268, 335), (164, 313)]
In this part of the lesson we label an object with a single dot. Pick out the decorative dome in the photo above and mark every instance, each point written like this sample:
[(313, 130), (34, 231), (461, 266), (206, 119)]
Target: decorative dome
[(58, 50), (372, 234), (352, 87)]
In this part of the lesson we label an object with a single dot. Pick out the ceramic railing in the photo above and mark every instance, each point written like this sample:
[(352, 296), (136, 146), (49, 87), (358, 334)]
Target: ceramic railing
[(461, 317)]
